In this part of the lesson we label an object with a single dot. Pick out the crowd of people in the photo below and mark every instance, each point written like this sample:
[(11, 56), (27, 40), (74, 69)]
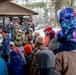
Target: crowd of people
[(25, 52)]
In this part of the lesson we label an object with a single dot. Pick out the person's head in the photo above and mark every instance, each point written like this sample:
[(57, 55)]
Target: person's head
[(4, 32), (16, 30), (47, 30), (30, 31), (45, 59), (19, 32), (53, 44), (13, 53), (52, 34), (27, 49), (12, 44), (28, 39), (68, 25), (66, 13), (22, 23), (11, 22), (16, 23), (30, 20), (39, 40), (36, 34), (66, 17)]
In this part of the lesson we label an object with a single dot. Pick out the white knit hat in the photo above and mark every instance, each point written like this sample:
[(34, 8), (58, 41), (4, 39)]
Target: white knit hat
[(39, 39), (12, 43), (20, 30)]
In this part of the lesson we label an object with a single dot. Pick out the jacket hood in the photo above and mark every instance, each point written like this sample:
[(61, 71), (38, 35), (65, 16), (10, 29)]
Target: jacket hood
[(15, 58), (13, 53), (45, 59), (67, 13)]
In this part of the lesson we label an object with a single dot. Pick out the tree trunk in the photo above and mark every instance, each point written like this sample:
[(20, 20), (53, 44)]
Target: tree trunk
[(72, 3), (57, 7)]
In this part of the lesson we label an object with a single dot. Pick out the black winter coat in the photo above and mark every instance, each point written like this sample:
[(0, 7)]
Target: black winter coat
[(28, 59)]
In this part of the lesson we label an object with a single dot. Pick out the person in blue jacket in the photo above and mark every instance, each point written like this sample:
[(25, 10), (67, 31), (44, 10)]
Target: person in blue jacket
[(16, 65), (5, 45)]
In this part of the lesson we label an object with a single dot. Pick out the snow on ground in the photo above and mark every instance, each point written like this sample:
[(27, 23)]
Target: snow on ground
[(42, 33)]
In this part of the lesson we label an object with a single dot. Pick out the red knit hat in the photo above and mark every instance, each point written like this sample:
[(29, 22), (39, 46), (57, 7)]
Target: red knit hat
[(27, 49), (49, 28)]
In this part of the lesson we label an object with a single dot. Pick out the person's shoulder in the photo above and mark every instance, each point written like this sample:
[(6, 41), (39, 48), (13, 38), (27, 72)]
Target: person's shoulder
[(2, 62), (1, 59)]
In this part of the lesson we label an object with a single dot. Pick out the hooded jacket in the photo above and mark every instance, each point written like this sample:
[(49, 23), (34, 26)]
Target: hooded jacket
[(16, 65), (34, 65), (46, 60), (6, 46)]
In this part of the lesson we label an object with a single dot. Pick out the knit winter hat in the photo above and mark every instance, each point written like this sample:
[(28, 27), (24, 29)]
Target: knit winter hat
[(39, 39), (27, 49), (30, 29), (48, 28), (45, 59), (20, 31), (4, 30), (12, 44), (52, 34)]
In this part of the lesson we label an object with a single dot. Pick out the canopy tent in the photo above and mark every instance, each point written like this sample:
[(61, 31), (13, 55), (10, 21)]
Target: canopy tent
[(12, 9)]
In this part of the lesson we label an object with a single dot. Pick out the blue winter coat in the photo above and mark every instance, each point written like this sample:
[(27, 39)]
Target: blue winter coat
[(6, 46), (3, 67), (16, 65)]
